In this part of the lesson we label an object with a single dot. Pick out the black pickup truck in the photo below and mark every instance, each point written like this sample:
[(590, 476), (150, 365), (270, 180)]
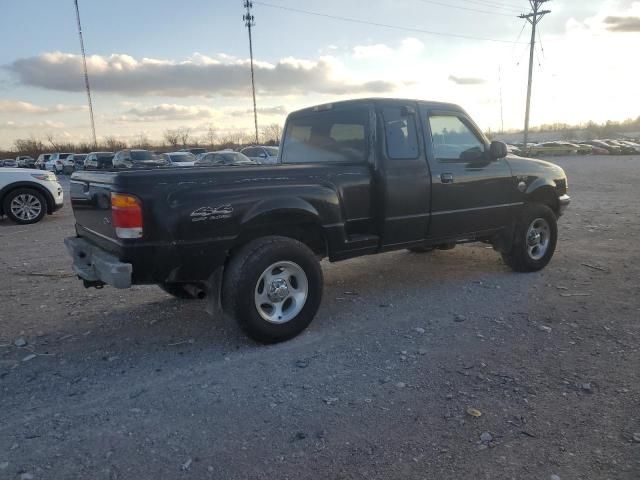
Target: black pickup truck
[(354, 178)]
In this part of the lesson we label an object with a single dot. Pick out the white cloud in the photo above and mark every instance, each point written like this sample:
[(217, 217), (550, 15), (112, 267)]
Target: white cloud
[(20, 107), (197, 76)]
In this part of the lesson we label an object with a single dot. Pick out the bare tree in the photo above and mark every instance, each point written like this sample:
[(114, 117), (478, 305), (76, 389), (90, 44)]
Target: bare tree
[(184, 133), (113, 144), (211, 136), (172, 137), (52, 140), (31, 146), (142, 141), (271, 134)]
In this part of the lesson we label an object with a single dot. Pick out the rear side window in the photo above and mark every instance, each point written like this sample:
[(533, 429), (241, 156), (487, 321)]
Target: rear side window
[(327, 137), (401, 134)]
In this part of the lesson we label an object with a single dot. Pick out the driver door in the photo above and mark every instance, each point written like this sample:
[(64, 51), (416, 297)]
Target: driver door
[(472, 193)]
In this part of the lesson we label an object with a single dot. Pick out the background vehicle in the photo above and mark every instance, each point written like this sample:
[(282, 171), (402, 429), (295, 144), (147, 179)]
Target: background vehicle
[(223, 157), (25, 161), (595, 150), (624, 149), (263, 155), (55, 163), (553, 148), (9, 163), (26, 195), (138, 159), (357, 177), (78, 161), (612, 149), (99, 161), (180, 159), (42, 159), (633, 145), (195, 151)]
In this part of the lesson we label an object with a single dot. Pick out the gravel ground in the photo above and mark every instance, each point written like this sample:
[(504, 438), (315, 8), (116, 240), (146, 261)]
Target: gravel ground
[(112, 384)]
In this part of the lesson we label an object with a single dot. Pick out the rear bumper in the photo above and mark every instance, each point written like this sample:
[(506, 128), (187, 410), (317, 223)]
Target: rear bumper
[(96, 266), (563, 203)]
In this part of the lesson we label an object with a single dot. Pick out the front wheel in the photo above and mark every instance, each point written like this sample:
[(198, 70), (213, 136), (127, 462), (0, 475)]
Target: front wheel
[(273, 287), (25, 206), (534, 243)]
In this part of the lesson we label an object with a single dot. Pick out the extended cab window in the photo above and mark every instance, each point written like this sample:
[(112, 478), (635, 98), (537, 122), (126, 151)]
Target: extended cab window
[(400, 132), (325, 137), (453, 140)]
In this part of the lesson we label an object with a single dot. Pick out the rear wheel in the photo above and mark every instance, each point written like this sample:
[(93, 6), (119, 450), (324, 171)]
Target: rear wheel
[(25, 206), (273, 288), (535, 239)]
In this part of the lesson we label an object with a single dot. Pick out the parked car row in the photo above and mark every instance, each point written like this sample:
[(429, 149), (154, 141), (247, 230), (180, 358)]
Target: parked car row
[(591, 147), (67, 163)]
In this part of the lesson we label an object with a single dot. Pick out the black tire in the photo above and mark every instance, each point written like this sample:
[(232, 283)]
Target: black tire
[(520, 258), (30, 195), (242, 277), (421, 249), (177, 290)]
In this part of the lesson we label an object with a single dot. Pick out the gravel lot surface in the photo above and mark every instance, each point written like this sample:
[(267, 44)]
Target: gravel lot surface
[(108, 384)]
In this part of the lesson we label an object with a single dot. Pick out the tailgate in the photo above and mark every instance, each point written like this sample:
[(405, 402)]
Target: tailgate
[(90, 194)]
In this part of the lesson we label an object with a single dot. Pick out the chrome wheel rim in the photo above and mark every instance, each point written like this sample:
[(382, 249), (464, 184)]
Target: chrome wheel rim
[(538, 238), (26, 207), (281, 292)]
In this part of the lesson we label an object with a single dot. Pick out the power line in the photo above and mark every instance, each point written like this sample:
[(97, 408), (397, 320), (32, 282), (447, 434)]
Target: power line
[(377, 24), (86, 74), (502, 6), (466, 8), (248, 21), (533, 18)]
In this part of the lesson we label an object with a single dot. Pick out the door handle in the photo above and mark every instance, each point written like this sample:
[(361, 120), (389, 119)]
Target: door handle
[(446, 177)]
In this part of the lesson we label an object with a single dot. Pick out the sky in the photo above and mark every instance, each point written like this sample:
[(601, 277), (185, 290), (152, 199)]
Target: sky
[(156, 65)]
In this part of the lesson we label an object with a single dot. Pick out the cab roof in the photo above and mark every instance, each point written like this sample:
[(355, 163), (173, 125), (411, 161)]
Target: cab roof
[(378, 100)]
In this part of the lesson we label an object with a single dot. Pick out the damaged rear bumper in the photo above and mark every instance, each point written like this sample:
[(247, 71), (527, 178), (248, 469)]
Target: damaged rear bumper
[(97, 267)]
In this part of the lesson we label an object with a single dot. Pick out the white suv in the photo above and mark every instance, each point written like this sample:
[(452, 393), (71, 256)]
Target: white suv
[(26, 194), (56, 162)]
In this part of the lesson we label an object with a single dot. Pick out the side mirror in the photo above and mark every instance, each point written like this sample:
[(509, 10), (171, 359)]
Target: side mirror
[(498, 150)]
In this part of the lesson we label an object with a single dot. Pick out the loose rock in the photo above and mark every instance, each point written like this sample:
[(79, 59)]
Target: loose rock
[(401, 385), (420, 330), (486, 437), (20, 342), (636, 437), (554, 477), (587, 387), (544, 328), (459, 318), (302, 363)]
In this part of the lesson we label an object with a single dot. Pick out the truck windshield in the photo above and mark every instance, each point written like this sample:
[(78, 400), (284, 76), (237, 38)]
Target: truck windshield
[(329, 136)]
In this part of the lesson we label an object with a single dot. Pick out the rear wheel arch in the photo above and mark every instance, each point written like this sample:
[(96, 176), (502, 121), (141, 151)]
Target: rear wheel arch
[(297, 224)]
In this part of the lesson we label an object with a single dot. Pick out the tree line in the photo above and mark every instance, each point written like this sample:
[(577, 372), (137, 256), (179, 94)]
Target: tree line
[(172, 139)]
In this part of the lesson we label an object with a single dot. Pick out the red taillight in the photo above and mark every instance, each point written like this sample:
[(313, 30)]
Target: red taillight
[(126, 214)]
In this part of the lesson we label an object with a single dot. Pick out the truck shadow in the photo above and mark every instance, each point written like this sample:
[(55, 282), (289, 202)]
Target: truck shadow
[(167, 331)]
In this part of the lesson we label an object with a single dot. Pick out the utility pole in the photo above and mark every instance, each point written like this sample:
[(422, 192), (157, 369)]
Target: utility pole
[(248, 22), (501, 108), (86, 75), (533, 18)]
